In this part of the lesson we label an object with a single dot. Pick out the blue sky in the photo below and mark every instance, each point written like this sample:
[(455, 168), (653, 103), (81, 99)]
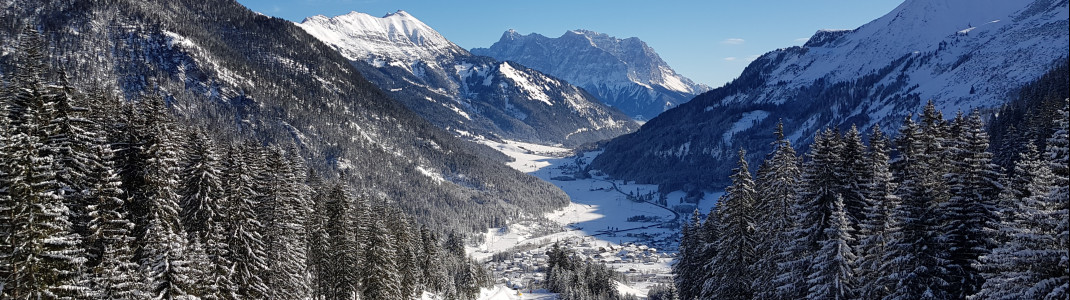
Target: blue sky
[(708, 41)]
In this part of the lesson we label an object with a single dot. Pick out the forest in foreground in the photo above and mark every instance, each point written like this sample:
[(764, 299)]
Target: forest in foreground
[(926, 215), (104, 199)]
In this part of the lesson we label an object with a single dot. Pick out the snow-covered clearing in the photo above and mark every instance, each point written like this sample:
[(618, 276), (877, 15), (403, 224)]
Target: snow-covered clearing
[(501, 292), (612, 221)]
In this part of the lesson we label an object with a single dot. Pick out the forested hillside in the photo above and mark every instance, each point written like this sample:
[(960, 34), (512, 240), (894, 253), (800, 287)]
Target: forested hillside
[(103, 199), (927, 214), (249, 77)]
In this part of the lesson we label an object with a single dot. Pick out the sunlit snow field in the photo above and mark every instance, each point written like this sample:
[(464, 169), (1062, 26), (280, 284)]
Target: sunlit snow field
[(596, 224)]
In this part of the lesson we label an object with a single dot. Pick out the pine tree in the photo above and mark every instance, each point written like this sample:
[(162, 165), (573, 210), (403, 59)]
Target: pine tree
[(114, 274), (201, 189), (163, 251), (733, 270), (201, 271), (854, 176), (1032, 262), (1016, 186), (71, 135), (204, 215), (688, 267), (246, 246), (319, 252), (777, 183), (342, 263), (819, 199), (1010, 270), (831, 276), (876, 229), (911, 263), (969, 218), (1054, 276), (708, 251), (380, 276), (281, 210), (45, 259), (432, 259), (406, 253), (468, 282)]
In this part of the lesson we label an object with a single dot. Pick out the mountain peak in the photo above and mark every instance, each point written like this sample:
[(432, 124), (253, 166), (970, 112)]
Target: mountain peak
[(626, 74), (360, 36), (511, 34)]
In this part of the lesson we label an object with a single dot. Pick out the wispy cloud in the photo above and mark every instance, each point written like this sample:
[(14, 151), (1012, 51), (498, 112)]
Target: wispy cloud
[(730, 58), (802, 40), (733, 41)]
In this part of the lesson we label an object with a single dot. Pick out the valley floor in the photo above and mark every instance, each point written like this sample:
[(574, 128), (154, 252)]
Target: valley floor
[(612, 221)]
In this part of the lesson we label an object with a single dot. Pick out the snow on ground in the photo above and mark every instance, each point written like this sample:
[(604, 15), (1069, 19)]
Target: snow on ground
[(501, 292), (612, 221), (521, 81)]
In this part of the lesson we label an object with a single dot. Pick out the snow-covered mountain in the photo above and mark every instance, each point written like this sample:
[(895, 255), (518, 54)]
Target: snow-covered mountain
[(624, 73), (465, 93), (961, 54), (251, 78)]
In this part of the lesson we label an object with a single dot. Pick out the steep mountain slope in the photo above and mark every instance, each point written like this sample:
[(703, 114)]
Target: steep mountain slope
[(961, 54), (252, 77), (464, 93), (626, 74)]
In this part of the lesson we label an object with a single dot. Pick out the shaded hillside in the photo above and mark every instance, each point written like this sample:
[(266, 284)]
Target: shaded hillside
[(251, 77)]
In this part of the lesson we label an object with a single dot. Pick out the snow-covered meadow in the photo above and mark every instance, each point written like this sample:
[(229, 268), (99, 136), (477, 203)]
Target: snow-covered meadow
[(611, 221)]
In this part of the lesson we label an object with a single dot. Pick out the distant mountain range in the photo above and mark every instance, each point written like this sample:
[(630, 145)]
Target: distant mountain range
[(960, 54), (466, 94), (624, 73)]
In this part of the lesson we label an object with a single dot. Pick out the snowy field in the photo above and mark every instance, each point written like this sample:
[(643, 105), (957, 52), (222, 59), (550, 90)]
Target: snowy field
[(612, 221)]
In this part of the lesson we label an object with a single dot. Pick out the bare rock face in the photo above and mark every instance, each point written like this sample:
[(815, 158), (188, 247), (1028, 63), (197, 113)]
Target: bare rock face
[(624, 73)]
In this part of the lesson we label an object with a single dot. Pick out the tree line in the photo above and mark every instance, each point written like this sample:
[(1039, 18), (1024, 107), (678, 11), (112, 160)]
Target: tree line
[(927, 215), (104, 199)]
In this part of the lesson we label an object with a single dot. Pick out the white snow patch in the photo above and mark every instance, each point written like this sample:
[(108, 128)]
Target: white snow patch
[(435, 176), (748, 120), (522, 82)]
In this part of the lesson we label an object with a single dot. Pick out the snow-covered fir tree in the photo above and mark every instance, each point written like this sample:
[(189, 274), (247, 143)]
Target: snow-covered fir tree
[(777, 182), (113, 271), (831, 275), (380, 276), (689, 267), (282, 210), (732, 267), (853, 174), (246, 246), (45, 257), (164, 254), (969, 218), (203, 213), (914, 267), (817, 231), (341, 264), (876, 228)]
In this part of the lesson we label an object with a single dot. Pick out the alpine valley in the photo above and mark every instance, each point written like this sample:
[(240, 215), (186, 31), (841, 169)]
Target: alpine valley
[(198, 149)]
